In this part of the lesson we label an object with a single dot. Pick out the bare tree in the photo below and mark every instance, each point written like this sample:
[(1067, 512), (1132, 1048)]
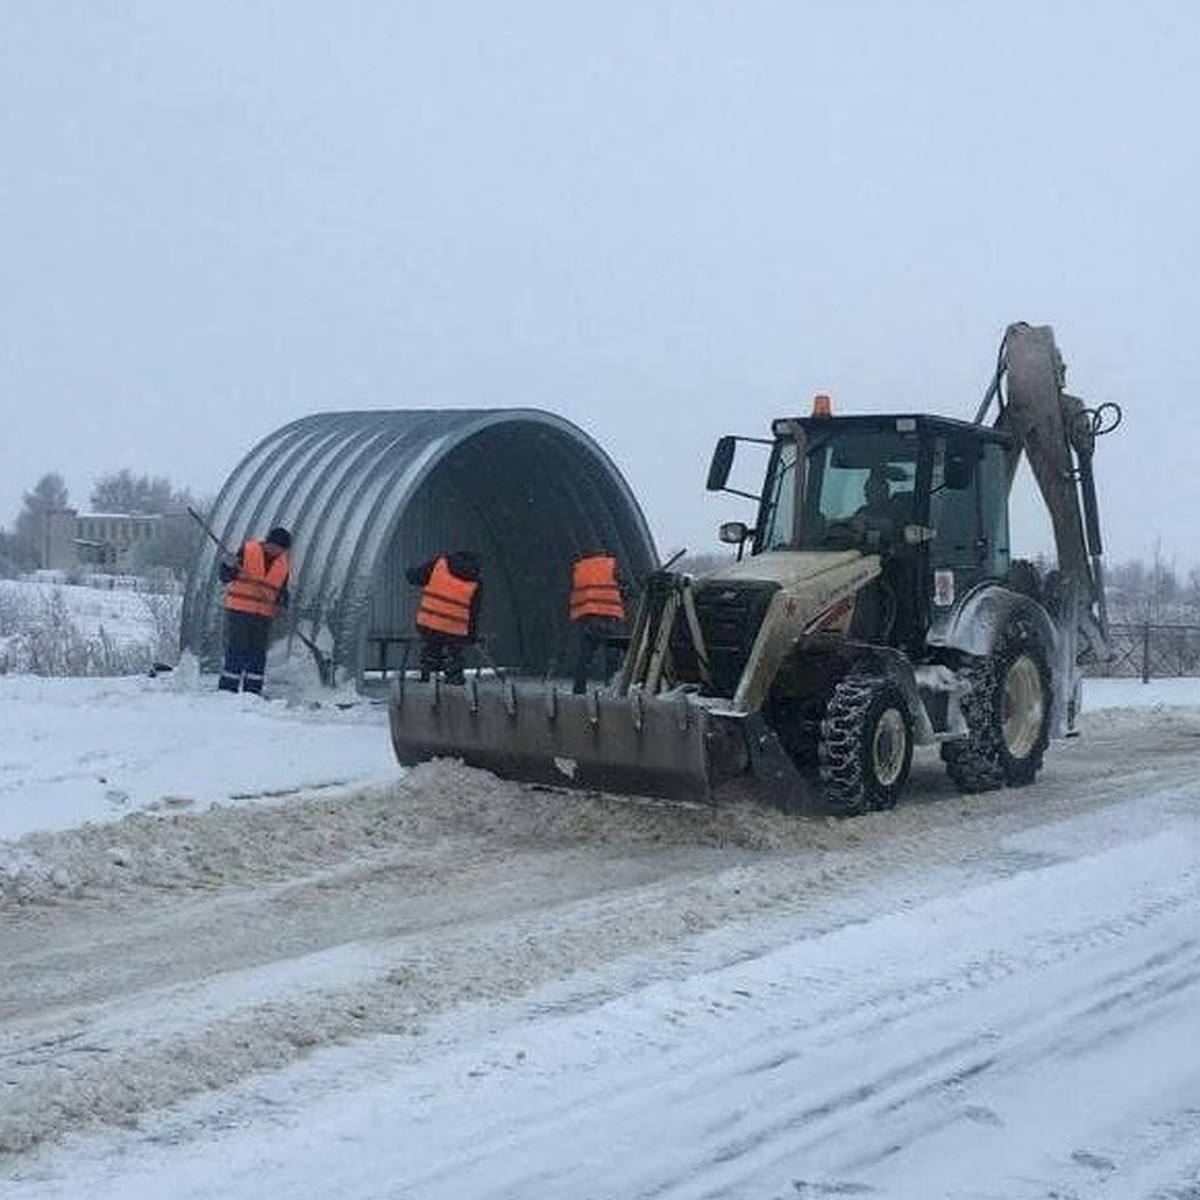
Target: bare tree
[(124, 492), (176, 542)]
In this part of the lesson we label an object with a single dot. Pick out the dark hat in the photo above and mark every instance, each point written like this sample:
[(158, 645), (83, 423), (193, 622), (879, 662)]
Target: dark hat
[(280, 537), (465, 564)]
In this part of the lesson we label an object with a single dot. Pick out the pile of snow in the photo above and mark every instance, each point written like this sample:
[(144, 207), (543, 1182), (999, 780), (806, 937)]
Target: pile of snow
[(88, 752)]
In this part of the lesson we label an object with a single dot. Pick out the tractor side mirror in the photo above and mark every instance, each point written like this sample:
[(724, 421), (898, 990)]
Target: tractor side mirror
[(722, 461), (735, 533)]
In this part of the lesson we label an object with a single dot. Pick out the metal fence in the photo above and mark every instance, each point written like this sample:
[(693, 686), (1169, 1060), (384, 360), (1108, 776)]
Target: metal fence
[(1142, 650)]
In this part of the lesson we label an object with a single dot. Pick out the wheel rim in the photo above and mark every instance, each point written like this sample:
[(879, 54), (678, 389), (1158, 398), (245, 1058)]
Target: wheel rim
[(888, 747), (1024, 707)]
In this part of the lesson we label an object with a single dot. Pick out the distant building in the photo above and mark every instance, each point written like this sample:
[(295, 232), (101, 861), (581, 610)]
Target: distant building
[(104, 541)]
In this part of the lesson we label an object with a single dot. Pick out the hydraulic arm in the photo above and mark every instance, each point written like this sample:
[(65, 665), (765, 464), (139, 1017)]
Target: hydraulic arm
[(1057, 433)]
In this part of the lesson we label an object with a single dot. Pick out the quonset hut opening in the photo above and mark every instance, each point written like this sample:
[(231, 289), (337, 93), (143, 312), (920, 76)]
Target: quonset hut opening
[(366, 494)]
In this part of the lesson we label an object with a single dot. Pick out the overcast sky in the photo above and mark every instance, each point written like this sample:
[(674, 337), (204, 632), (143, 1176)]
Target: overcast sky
[(665, 221)]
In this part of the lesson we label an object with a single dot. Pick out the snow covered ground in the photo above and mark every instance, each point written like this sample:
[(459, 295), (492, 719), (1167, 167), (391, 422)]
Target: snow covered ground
[(244, 955), (75, 750)]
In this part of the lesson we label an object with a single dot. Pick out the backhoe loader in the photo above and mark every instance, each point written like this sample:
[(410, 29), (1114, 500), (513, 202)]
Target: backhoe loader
[(873, 606)]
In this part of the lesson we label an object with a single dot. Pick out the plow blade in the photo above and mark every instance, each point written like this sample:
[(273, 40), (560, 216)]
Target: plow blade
[(667, 746), (531, 731)]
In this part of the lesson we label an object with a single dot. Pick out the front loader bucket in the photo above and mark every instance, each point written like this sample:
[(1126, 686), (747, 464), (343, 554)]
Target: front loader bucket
[(532, 731), (671, 746)]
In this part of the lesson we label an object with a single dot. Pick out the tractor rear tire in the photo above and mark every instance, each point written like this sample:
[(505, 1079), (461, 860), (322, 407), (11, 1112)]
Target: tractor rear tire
[(1025, 707), (1007, 711), (866, 746)]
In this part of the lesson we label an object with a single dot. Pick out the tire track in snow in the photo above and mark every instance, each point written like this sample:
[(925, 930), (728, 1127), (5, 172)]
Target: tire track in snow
[(379, 911), (804, 1102)]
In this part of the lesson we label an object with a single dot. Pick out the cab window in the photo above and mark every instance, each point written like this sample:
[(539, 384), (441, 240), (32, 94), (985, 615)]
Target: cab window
[(968, 508), (870, 474)]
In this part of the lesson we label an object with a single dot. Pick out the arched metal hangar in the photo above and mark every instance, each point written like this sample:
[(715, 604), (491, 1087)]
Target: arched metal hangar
[(366, 494)]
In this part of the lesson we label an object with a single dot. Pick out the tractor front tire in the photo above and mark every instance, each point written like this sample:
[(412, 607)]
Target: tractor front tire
[(865, 747)]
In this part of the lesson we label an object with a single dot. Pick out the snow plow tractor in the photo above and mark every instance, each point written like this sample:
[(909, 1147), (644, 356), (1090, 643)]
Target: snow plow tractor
[(873, 607)]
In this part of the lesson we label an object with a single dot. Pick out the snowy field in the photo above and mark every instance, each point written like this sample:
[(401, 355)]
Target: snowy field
[(245, 955), (57, 628)]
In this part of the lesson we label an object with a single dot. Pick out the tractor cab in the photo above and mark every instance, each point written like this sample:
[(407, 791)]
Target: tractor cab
[(928, 495)]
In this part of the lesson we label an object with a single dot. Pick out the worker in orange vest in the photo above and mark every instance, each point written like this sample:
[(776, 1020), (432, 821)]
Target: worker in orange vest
[(447, 614), (597, 609), (256, 588)]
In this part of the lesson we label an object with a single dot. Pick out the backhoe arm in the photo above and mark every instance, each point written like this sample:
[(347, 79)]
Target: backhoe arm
[(1057, 434)]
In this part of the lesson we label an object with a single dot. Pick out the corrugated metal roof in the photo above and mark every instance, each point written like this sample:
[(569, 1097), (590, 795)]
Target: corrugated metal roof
[(366, 494)]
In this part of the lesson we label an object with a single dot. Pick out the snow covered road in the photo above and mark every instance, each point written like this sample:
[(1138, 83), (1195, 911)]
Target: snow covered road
[(456, 987)]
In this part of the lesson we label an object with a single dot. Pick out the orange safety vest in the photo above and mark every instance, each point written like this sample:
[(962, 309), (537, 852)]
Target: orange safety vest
[(594, 590), (446, 602), (256, 587)]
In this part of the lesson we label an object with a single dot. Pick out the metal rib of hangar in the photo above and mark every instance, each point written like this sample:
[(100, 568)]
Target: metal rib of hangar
[(365, 494)]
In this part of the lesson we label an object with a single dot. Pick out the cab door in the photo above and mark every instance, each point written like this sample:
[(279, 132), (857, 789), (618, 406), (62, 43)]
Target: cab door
[(968, 514)]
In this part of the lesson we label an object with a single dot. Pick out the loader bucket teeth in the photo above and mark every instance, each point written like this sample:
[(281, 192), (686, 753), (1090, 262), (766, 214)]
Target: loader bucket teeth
[(532, 732)]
